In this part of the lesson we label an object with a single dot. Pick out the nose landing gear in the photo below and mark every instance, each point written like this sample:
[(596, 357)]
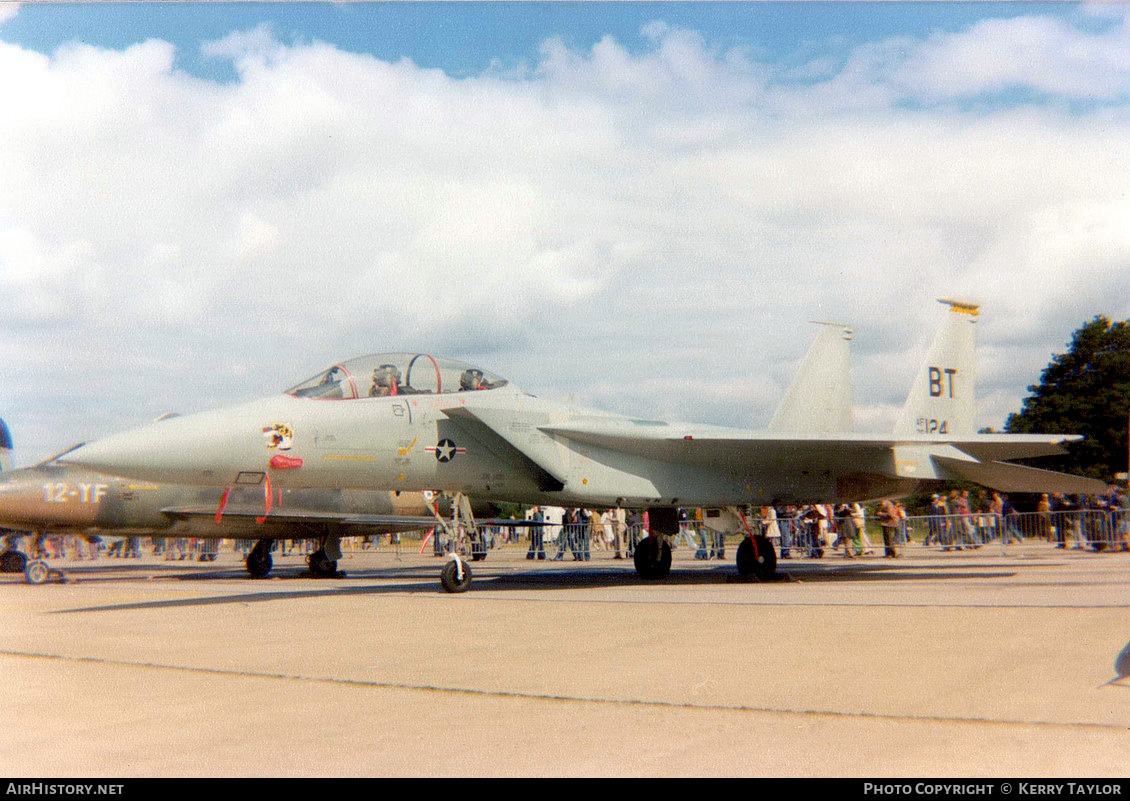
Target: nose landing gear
[(456, 575)]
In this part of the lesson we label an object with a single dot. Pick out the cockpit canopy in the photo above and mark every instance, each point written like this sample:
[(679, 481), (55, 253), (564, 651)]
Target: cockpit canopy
[(386, 374)]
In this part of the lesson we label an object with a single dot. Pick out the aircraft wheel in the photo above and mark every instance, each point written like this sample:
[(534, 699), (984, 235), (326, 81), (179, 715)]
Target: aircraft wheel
[(12, 562), (449, 577), (764, 565), (321, 565), (259, 563), (652, 566), (37, 572)]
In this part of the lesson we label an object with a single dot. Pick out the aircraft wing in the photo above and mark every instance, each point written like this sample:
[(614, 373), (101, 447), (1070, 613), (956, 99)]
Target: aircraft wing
[(284, 515), (708, 445), (975, 457), (981, 459)]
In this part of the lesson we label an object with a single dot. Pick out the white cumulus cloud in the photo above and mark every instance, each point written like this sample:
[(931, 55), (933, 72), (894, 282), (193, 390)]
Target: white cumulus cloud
[(644, 230)]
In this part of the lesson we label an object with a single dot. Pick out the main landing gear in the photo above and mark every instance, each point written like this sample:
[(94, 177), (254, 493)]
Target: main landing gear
[(259, 561), (653, 558), (757, 558), (12, 562), (35, 568), (322, 563)]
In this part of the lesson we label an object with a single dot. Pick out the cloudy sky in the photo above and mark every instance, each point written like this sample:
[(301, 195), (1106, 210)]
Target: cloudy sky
[(639, 206)]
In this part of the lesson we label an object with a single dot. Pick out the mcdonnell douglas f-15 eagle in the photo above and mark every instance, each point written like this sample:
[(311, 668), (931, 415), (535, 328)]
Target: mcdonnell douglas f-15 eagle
[(412, 421)]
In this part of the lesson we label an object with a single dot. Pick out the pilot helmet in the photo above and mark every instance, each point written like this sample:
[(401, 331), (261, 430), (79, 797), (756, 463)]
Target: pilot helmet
[(386, 376), (471, 379)]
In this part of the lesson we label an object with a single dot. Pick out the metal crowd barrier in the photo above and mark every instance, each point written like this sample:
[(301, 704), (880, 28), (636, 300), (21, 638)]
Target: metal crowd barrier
[(1095, 529)]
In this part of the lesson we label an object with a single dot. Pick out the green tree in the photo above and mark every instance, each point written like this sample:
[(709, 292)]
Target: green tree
[(1084, 391)]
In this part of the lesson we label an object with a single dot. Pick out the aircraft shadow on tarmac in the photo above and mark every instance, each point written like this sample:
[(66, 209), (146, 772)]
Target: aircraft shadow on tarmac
[(424, 579)]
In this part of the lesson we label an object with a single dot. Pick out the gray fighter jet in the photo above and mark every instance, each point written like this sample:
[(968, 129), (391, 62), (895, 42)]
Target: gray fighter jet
[(411, 421), (52, 498)]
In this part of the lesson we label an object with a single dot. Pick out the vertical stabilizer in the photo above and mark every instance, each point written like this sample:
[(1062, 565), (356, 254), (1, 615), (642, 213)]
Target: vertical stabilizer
[(819, 399), (5, 447), (941, 400)]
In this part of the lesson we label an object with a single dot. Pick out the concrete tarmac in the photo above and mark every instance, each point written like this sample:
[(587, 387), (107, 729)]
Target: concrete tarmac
[(976, 664)]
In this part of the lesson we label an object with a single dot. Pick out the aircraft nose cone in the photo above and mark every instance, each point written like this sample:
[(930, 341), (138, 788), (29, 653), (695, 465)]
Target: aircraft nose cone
[(207, 448), (166, 451), (122, 454)]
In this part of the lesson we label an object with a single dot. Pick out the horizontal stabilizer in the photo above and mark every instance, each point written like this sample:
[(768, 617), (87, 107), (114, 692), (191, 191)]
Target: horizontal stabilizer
[(1006, 447), (1017, 478)]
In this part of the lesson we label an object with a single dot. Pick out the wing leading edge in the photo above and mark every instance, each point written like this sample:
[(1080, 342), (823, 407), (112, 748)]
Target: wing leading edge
[(978, 458)]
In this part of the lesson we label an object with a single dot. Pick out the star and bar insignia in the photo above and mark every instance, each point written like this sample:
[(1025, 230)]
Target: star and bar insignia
[(445, 450)]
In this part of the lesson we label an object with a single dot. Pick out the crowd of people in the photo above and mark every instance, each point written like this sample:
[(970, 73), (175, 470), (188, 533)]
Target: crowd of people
[(954, 521)]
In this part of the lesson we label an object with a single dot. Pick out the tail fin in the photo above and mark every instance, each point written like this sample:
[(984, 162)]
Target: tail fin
[(942, 400), (820, 396), (5, 447)]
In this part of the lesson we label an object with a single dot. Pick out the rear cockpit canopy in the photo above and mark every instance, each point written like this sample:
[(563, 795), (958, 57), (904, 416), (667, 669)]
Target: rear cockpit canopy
[(386, 374)]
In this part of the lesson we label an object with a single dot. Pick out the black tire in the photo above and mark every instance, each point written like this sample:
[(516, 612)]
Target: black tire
[(764, 565), (321, 565), (649, 567), (259, 563), (448, 577), (12, 562)]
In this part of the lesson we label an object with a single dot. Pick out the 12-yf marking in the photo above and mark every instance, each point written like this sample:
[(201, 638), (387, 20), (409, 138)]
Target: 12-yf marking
[(83, 493), (941, 381)]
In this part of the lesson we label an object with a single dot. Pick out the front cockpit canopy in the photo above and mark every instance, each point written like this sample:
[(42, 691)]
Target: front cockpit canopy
[(387, 374)]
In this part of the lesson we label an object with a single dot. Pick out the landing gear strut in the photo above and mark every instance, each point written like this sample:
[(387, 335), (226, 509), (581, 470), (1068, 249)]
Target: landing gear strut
[(463, 536)]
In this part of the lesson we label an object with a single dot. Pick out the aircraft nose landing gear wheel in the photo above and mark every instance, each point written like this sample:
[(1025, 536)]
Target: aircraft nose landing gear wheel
[(763, 564), (653, 558), (456, 576)]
